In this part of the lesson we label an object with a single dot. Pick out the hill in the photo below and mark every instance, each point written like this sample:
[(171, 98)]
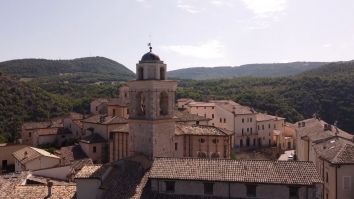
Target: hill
[(94, 68), (20, 102), (327, 91), (342, 69), (250, 70)]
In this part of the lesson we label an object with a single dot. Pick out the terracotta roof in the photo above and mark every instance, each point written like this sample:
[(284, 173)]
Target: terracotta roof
[(182, 129), (234, 107), (53, 123), (185, 100), (96, 119), (123, 128), (41, 191), (92, 171), (93, 138), (201, 104), (245, 171), (265, 117), (28, 154), (185, 116), (76, 116), (336, 150), (314, 130), (116, 102), (100, 100)]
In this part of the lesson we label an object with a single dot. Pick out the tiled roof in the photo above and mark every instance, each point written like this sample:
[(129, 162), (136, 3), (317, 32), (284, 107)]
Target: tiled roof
[(41, 191), (201, 104), (245, 171), (27, 154), (234, 107), (123, 128), (185, 116), (70, 153), (314, 130), (265, 117), (93, 138), (336, 150), (182, 129), (54, 123), (92, 171), (100, 100), (116, 102), (106, 119), (76, 116)]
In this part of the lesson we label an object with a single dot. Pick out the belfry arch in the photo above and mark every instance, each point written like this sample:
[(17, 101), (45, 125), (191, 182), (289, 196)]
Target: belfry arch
[(163, 103)]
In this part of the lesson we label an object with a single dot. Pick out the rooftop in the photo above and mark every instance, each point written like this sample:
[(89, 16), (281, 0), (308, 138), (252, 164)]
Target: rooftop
[(182, 129), (104, 119), (185, 116), (28, 154), (92, 171), (249, 171), (336, 150), (93, 138), (265, 117)]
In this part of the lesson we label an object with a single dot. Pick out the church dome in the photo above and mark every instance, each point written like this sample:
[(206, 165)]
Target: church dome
[(150, 57)]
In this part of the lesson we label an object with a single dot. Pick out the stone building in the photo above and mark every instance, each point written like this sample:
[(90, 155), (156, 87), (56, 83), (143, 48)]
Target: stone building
[(332, 151), (151, 109), (7, 160)]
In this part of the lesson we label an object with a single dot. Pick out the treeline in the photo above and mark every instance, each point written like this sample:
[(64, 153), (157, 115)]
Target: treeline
[(294, 98)]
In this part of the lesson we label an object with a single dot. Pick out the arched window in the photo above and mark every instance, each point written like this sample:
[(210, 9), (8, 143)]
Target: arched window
[(248, 142), (162, 74), (163, 103), (141, 73), (140, 104), (215, 155), (202, 154)]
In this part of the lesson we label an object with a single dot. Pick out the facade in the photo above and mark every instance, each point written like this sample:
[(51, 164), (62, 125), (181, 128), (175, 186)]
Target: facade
[(74, 123), (30, 158), (251, 129), (28, 129), (151, 109), (99, 106), (6, 159), (332, 151)]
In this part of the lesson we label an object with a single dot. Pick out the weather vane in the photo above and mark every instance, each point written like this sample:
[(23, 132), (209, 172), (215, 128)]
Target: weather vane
[(150, 47)]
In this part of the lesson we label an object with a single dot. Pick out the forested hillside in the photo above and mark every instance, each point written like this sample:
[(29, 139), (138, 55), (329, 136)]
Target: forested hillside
[(249, 70), (339, 69), (89, 69), (331, 95), (20, 102)]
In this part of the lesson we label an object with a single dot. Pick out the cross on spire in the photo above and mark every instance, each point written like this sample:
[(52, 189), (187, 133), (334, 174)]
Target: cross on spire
[(150, 47)]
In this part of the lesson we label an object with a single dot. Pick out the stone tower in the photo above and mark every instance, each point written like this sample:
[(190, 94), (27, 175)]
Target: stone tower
[(151, 109)]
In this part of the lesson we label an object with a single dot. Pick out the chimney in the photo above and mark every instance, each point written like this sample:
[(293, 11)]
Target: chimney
[(49, 186)]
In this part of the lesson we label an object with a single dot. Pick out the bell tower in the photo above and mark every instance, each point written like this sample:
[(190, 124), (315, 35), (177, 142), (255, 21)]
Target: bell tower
[(151, 108)]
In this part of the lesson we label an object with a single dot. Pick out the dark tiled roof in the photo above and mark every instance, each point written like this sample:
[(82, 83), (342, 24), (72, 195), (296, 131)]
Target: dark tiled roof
[(336, 150), (71, 153), (185, 116), (245, 171), (182, 129), (96, 119), (93, 138)]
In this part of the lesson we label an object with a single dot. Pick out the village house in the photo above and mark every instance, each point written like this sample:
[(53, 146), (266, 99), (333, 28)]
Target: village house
[(99, 106), (6, 158), (73, 123), (332, 151), (30, 158)]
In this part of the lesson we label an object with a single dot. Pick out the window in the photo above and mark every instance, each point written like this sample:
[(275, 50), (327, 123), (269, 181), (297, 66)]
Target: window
[(208, 188), (170, 186), (224, 120), (212, 116), (198, 123), (176, 146), (243, 120), (94, 149), (204, 107), (293, 192), (269, 126), (30, 134), (251, 130), (346, 182), (141, 73), (201, 140), (212, 107), (242, 131), (248, 130), (220, 120), (251, 190), (215, 141), (250, 119), (326, 176), (213, 124), (162, 73), (241, 143), (114, 112), (275, 126), (163, 103), (140, 100), (262, 126), (258, 127)]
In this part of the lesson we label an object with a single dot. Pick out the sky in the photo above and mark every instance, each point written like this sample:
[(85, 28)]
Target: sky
[(184, 33)]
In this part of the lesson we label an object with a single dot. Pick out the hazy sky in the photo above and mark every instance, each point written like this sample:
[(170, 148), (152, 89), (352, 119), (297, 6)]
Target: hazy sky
[(184, 33)]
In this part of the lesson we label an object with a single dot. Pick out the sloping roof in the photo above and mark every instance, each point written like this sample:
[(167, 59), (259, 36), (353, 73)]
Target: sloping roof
[(76, 116), (53, 123), (265, 117), (314, 130), (96, 119), (201, 104), (71, 153), (116, 102), (245, 171), (182, 129), (28, 154), (93, 138), (336, 150), (234, 107), (92, 171), (123, 128), (41, 191), (185, 116)]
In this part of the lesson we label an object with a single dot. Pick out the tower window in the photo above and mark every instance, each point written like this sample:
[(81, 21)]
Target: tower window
[(94, 149), (140, 104), (140, 73), (176, 146), (163, 103), (162, 74)]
